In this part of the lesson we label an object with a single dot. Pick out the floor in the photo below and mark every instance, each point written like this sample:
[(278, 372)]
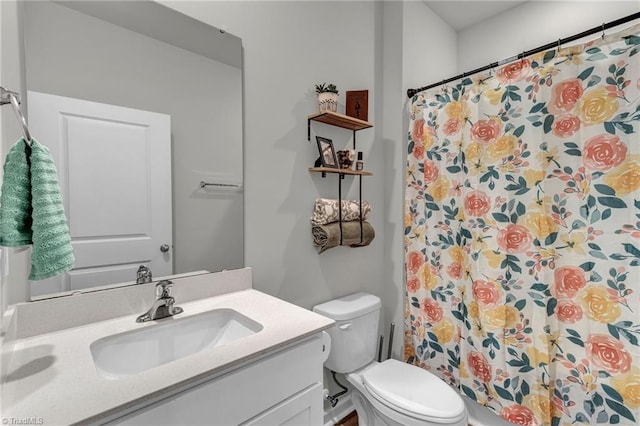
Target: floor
[(350, 420)]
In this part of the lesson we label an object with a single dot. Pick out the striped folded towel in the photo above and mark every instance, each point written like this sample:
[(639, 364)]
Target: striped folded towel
[(35, 215)]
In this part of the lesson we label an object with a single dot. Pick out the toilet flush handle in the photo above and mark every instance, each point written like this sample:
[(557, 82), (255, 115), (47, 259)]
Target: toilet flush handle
[(345, 326)]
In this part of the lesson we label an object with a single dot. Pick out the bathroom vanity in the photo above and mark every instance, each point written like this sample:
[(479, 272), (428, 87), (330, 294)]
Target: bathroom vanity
[(281, 389), (234, 356)]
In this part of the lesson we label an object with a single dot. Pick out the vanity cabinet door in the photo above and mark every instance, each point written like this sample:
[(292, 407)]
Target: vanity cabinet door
[(301, 409), (284, 387)]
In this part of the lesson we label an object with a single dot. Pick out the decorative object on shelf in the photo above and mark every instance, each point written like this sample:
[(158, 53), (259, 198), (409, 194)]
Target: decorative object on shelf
[(357, 105), (352, 234), (359, 162), (326, 210), (327, 153), (346, 158), (327, 97)]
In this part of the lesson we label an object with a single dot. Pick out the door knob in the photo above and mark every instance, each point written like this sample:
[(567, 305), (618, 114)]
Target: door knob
[(164, 248)]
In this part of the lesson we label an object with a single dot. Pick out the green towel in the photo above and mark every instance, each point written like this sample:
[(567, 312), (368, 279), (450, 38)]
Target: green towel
[(15, 201), (52, 253)]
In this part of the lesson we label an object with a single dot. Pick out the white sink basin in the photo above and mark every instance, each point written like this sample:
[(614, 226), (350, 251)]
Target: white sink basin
[(170, 339)]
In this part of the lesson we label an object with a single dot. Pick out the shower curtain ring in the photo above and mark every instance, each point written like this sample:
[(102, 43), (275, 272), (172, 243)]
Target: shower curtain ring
[(559, 41), (602, 31)]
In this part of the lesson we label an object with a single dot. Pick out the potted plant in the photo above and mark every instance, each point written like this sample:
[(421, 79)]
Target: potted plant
[(327, 97)]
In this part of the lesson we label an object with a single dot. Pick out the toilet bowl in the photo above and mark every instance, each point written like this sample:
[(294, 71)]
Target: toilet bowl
[(389, 392)]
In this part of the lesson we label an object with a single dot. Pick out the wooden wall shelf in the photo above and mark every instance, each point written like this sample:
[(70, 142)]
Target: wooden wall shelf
[(339, 120), (349, 123), (340, 171)]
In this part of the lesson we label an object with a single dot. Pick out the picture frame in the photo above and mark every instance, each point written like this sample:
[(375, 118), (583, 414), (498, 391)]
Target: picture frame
[(357, 105), (328, 156)]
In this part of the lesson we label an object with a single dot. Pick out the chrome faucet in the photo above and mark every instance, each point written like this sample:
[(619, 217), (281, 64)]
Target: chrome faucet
[(163, 306), (143, 275)]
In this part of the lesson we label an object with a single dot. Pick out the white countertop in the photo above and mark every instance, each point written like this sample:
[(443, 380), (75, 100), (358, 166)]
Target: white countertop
[(53, 377)]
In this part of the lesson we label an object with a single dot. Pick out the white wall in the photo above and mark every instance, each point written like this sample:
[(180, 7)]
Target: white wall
[(418, 48), (392, 141), (533, 24), (288, 48), (429, 47)]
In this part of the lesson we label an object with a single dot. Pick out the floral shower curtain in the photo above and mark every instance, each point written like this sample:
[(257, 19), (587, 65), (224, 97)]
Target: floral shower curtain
[(522, 235)]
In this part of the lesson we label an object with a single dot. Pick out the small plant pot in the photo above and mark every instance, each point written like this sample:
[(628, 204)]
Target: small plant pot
[(328, 101)]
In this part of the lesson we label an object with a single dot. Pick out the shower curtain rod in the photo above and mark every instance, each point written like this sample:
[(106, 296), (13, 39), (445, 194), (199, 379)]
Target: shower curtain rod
[(412, 92)]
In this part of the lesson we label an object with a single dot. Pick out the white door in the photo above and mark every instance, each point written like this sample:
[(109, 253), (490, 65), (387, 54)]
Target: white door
[(114, 169)]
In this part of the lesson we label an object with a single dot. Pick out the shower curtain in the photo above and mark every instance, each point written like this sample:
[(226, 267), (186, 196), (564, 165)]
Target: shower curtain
[(522, 235)]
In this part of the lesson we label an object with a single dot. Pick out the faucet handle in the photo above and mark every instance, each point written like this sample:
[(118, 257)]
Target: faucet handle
[(143, 275), (163, 289)]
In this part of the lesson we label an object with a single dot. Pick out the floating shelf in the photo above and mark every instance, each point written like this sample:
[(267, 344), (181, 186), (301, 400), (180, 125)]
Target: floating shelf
[(338, 120), (340, 171)]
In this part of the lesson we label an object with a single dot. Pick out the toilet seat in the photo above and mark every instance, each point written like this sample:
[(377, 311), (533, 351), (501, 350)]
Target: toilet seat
[(414, 392)]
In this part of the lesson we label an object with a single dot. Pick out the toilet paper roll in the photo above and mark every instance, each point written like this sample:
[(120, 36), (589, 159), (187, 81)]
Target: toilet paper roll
[(326, 345)]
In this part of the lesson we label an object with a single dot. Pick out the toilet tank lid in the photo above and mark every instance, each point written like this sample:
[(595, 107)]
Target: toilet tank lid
[(349, 307)]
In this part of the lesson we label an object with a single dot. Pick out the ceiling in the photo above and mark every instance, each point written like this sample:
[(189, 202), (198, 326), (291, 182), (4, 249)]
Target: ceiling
[(463, 14)]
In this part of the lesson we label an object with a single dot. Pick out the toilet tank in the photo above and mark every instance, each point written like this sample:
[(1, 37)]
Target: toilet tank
[(354, 336)]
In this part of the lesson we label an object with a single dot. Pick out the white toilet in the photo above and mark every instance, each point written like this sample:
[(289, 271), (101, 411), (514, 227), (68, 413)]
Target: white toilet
[(389, 392)]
